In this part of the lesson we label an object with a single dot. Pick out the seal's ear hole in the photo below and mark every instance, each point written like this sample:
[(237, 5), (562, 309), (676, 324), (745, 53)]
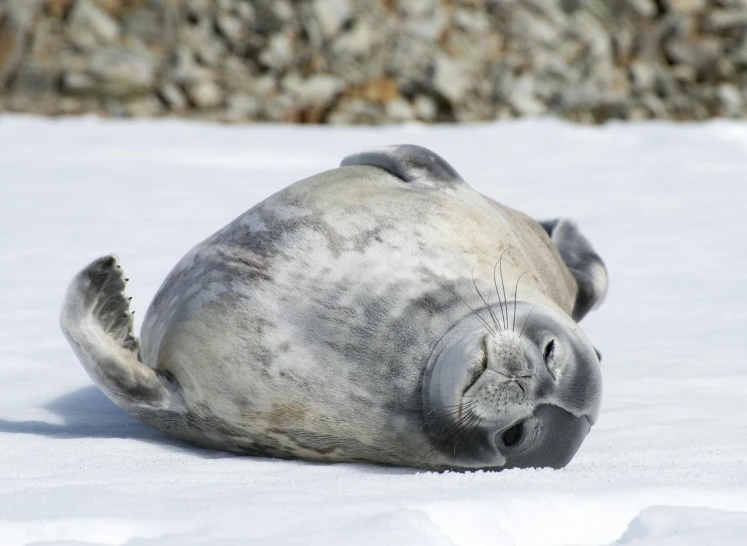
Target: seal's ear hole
[(599, 355)]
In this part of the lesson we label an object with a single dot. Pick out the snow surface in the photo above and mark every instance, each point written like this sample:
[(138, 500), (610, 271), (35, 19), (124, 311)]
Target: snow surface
[(665, 465)]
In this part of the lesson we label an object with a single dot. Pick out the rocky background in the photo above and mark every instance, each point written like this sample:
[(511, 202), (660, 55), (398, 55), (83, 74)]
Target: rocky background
[(375, 61)]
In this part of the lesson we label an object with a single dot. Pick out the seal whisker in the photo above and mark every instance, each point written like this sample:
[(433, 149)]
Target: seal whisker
[(459, 427), (470, 403), (469, 426), (458, 411), (516, 290), (487, 306), (449, 433), (498, 293), (485, 323), (457, 405), (503, 282), (527, 320)]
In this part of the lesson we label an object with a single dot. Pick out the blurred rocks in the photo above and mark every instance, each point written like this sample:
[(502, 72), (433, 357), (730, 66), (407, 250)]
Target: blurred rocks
[(347, 62), (113, 72), (88, 25)]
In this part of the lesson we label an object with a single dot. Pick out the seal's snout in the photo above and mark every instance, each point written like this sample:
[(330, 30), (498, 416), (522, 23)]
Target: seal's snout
[(506, 355)]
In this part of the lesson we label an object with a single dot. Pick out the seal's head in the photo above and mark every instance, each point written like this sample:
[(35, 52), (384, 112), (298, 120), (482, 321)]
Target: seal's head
[(519, 387)]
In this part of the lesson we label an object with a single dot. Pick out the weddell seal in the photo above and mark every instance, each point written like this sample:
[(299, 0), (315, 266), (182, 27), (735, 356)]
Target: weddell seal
[(382, 311)]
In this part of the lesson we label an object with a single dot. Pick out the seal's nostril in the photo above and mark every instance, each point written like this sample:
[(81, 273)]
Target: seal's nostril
[(549, 352)]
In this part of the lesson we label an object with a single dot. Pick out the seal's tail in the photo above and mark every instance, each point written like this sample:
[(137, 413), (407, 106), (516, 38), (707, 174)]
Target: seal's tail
[(97, 323)]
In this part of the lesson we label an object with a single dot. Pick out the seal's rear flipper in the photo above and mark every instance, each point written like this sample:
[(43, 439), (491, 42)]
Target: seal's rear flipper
[(410, 163), (583, 261), (97, 323)]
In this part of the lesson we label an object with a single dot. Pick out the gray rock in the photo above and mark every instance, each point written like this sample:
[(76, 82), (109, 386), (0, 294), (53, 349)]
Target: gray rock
[(700, 53), (89, 26), (205, 95), (357, 42), (430, 28), (283, 10), (425, 108), (115, 108), (399, 110), (730, 100), (77, 83), (236, 73), (197, 8), (148, 22), (210, 52), (685, 6), (666, 85), (643, 75), (280, 108), (241, 107), (595, 36), (16, 20), (144, 107), (318, 90), (200, 37), (72, 105), (331, 14), (644, 8), (349, 111), (231, 28), (684, 73), (450, 79), (521, 96), (638, 113), (185, 70), (474, 22), (654, 105), (36, 79), (246, 12), (267, 21), (535, 30), (265, 86), (418, 8), (721, 20), (279, 52), (121, 71), (173, 97)]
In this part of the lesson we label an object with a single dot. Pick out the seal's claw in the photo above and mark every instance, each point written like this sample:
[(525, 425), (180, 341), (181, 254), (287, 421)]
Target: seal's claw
[(103, 286)]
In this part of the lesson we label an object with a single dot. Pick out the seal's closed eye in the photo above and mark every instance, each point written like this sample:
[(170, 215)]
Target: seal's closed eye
[(408, 162)]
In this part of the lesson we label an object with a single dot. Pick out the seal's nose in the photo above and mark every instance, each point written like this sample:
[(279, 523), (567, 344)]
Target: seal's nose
[(506, 356)]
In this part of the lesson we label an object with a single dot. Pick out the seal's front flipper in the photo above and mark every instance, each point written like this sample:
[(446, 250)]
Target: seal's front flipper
[(97, 323), (410, 163), (583, 261)]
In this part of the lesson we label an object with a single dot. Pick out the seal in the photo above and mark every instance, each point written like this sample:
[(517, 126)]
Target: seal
[(382, 311)]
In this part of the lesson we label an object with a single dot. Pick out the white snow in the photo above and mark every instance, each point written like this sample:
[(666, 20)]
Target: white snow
[(666, 464)]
